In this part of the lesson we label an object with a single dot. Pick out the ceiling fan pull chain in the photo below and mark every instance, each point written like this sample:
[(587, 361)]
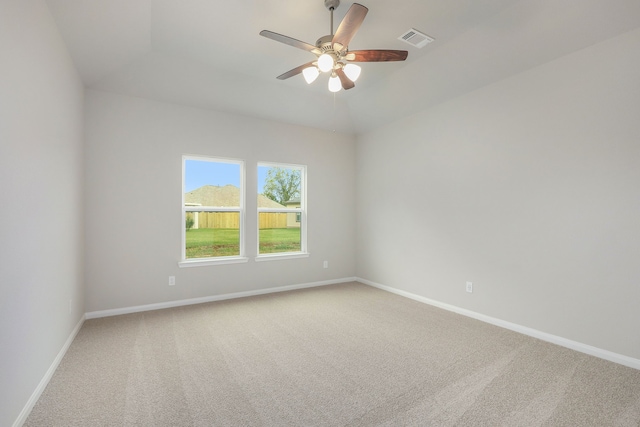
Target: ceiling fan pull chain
[(335, 118)]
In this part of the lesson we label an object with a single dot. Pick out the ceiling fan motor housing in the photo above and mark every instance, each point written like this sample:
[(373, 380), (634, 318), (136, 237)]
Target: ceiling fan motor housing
[(324, 43)]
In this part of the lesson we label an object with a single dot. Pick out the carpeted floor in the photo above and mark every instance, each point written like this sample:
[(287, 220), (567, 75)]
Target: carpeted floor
[(340, 355)]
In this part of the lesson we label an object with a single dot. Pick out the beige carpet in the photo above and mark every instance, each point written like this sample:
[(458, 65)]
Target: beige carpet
[(341, 355)]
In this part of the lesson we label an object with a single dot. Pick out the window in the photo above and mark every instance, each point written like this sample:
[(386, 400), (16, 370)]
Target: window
[(281, 211), (212, 211)]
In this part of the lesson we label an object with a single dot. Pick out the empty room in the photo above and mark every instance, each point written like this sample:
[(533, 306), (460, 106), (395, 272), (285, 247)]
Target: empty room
[(320, 213)]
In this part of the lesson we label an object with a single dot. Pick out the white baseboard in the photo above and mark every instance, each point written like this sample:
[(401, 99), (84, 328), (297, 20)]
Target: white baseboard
[(178, 303), (573, 345), (47, 376)]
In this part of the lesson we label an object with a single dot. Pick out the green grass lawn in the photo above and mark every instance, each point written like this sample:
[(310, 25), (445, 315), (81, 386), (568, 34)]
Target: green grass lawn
[(209, 242), (274, 240), (214, 242)]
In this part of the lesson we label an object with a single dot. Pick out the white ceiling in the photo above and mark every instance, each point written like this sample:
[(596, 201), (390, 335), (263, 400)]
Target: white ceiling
[(207, 53)]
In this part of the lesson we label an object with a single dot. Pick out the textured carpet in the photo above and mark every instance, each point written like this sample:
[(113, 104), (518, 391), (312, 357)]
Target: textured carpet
[(340, 355)]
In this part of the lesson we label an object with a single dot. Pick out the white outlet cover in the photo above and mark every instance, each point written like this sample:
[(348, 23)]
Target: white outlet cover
[(469, 287)]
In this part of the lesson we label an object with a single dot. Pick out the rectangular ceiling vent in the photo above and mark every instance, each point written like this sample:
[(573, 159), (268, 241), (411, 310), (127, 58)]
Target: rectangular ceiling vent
[(415, 38)]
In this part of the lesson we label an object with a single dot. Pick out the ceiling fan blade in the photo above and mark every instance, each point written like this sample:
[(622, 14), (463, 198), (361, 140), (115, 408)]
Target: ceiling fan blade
[(290, 41), (294, 72), (376, 55), (346, 82), (349, 26)]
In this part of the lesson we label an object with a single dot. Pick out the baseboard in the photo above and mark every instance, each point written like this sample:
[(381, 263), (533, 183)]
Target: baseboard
[(573, 345), (178, 303), (47, 376)]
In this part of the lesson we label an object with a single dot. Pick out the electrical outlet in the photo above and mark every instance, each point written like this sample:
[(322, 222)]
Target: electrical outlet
[(469, 287), (325, 264), (172, 280)]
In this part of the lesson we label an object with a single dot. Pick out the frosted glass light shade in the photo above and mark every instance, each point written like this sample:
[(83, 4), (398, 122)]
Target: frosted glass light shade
[(334, 84), (310, 74), (352, 71), (325, 62)]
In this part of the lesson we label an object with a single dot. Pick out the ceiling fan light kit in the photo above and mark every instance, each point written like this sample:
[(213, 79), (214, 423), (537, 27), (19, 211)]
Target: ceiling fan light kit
[(334, 83), (310, 74), (352, 71), (325, 62), (332, 51)]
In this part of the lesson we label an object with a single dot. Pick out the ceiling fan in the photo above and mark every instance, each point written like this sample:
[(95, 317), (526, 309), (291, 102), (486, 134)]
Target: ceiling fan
[(332, 51)]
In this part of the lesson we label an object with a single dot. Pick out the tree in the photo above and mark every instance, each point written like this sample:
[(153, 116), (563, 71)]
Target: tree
[(189, 221), (282, 185)]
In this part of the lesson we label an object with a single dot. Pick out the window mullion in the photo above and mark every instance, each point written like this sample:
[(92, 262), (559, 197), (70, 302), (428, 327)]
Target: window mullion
[(210, 209)]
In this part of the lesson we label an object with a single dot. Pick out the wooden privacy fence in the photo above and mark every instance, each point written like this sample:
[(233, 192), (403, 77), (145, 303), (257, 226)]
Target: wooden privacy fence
[(272, 220), (232, 219)]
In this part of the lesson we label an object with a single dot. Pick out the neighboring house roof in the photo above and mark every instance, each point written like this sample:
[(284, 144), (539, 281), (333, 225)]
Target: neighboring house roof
[(227, 196), (294, 201), (265, 202)]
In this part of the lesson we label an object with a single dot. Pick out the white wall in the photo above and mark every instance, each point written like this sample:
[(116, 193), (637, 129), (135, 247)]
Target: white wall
[(41, 99), (133, 196), (529, 188)]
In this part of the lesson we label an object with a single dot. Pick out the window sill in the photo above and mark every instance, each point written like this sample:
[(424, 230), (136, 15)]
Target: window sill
[(201, 262), (276, 257)]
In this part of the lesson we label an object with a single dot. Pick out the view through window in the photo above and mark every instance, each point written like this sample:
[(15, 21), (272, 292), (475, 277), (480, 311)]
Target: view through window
[(281, 209), (213, 203)]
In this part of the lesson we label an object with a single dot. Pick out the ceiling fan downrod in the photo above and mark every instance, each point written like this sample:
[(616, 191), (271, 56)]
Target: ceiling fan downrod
[(331, 5)]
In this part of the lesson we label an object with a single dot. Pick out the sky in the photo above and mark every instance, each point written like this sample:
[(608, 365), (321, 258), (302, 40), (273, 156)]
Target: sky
[(199, 173)]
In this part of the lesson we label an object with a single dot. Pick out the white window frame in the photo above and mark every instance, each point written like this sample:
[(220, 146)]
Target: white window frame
[(302, 210), (196, 262)]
